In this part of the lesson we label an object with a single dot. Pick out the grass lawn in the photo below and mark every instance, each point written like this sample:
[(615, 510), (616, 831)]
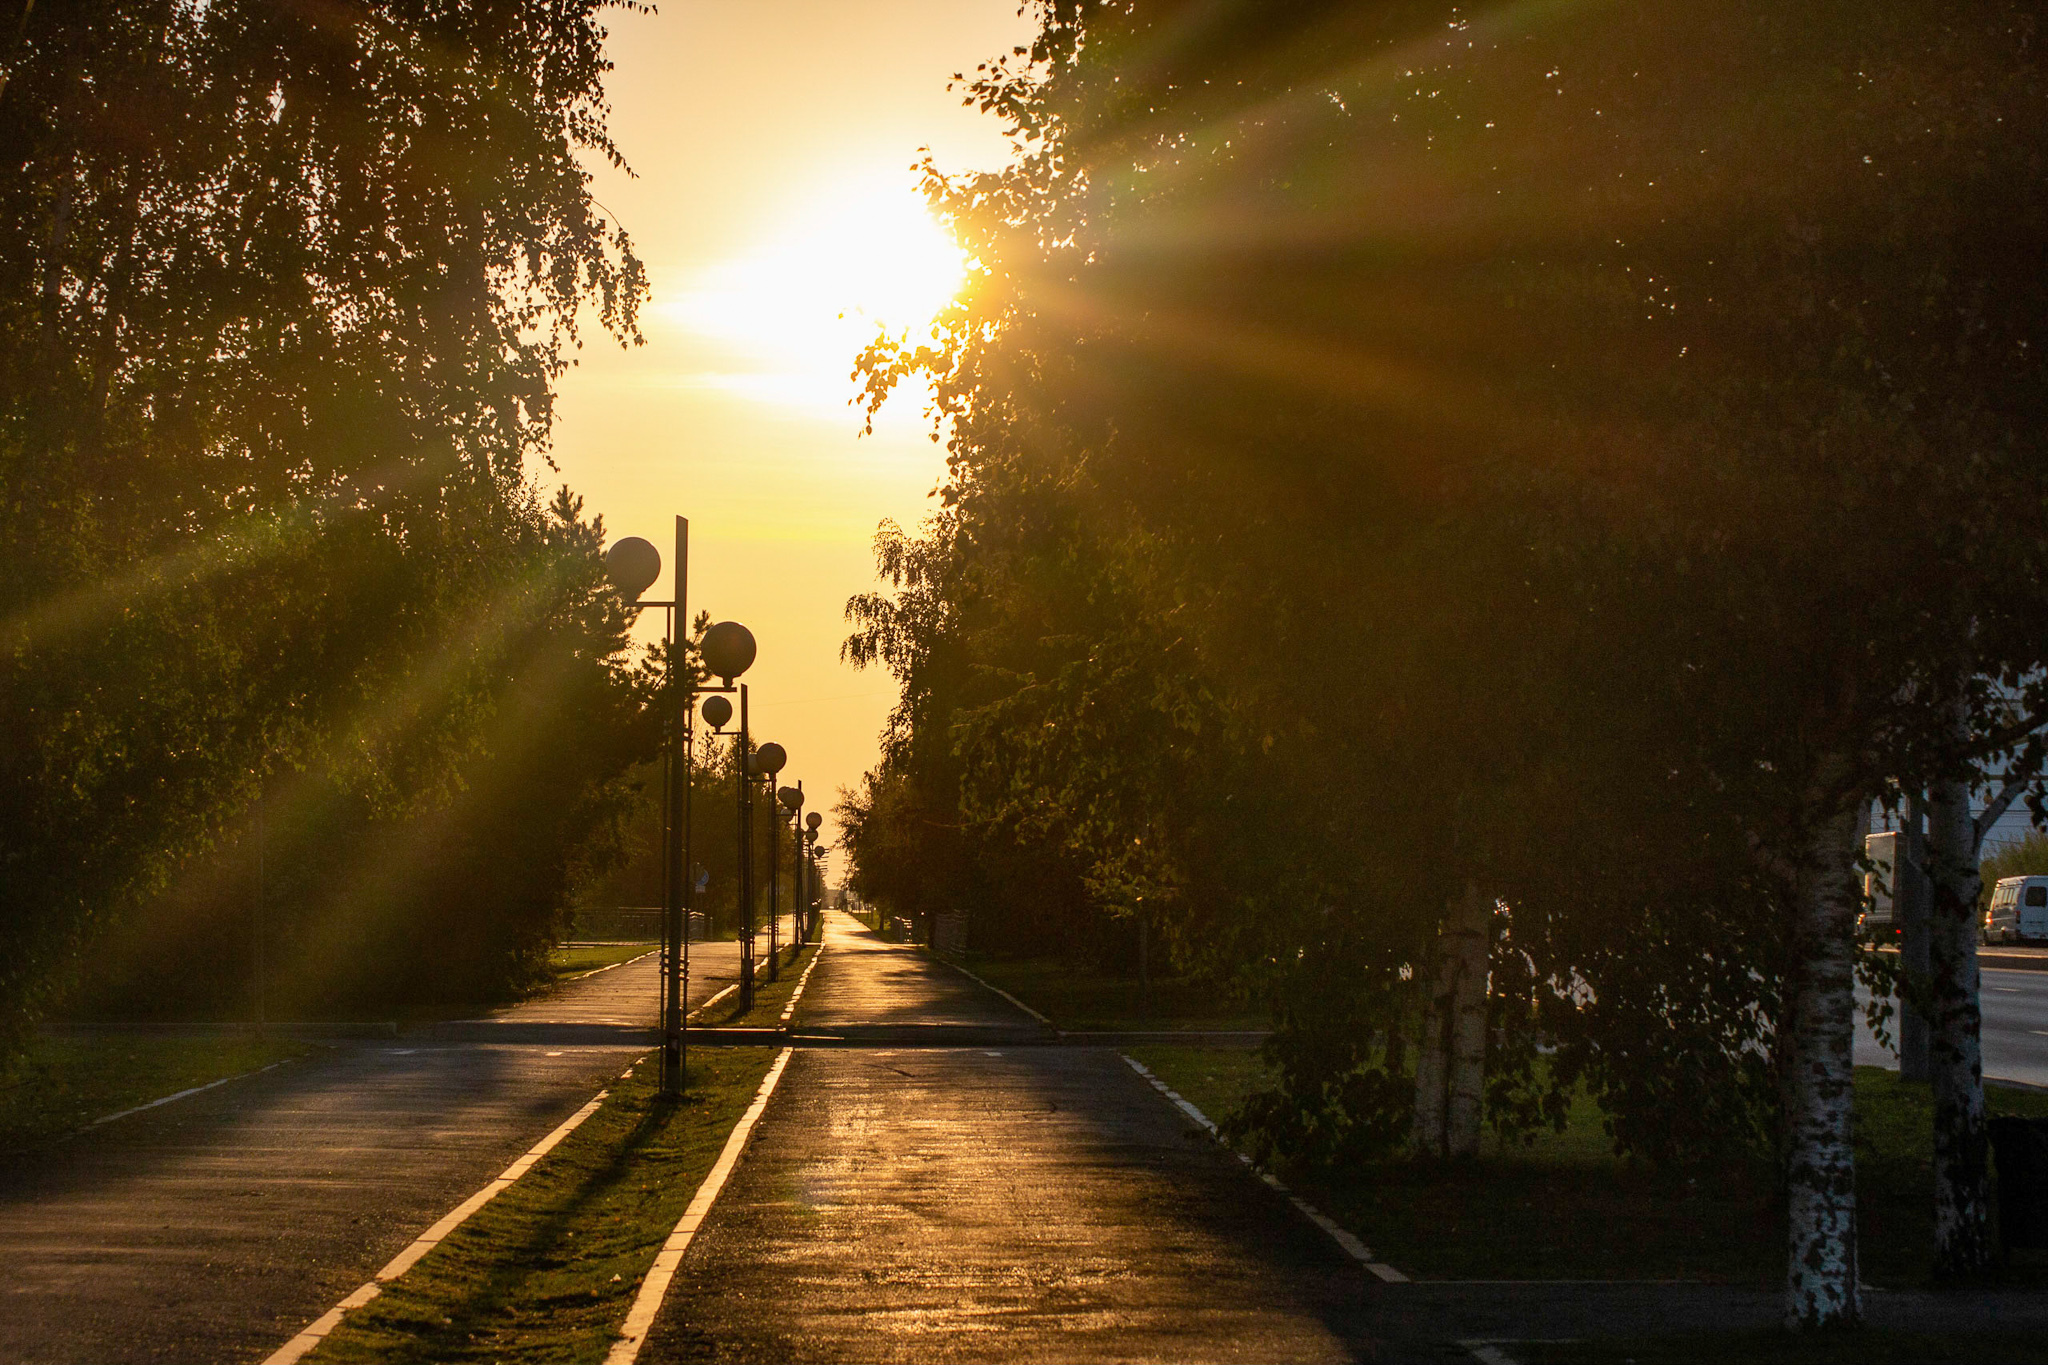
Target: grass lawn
[(546, 1271), (1564, 1207), (68, 1081), (1085, 1000), (571, 961), (769, 996)]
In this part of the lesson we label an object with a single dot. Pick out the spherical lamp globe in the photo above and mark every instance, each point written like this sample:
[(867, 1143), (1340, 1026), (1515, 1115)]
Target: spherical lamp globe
[(728, 650), (791, 798), (717, 711), (814, 819), (632, 565), (769, 758)]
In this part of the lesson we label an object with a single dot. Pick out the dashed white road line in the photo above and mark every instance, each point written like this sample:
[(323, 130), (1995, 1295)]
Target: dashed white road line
[(1339, 1234), (653, 1289), (314, 1334)]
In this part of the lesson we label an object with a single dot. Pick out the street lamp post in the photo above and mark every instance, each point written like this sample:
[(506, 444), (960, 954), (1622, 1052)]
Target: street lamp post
[(792, 799), (728, 651), (633, 564), (811, 823), (768, 761)]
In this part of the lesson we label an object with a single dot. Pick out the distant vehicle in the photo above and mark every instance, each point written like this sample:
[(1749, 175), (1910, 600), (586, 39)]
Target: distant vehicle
[(2019, 911), (1879, 919)]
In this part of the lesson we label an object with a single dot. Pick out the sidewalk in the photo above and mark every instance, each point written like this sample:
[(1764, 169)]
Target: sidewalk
[(215, 1228), (990, 1203)]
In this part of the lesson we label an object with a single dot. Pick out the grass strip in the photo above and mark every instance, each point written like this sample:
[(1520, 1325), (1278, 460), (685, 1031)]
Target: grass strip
[(1563, 1206), (64, 1083), (1082, 999), (769, 996), (547, 1270), (577, 959)]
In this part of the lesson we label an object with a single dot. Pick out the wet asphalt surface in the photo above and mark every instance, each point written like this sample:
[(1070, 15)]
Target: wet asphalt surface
[(932, 1184), (215, 1228), (995, 1202)]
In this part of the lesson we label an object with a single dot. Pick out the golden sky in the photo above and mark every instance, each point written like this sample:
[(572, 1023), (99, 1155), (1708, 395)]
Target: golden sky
[(771, 142)]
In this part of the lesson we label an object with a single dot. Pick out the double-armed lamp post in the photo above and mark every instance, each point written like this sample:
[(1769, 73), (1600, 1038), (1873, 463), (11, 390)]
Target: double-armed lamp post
[(727, 651)]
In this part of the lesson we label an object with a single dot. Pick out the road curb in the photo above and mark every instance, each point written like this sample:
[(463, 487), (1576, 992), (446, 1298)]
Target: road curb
[(940, 957), (318, 1330), (1337, 1233), (654, 1288)]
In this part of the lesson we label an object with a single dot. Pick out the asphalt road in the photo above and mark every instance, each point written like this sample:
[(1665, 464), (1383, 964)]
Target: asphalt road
[(990, 1203), (2015, 1005), (213, 1229)]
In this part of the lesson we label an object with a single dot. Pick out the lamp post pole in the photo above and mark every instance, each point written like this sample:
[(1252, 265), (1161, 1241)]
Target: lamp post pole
[(675, 936), (792, 800), (744, 783), (727, 650), (774, 881)]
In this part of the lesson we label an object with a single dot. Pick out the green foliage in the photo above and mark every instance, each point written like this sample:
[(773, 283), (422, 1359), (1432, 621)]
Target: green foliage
[(283, 297), (1392, 447)]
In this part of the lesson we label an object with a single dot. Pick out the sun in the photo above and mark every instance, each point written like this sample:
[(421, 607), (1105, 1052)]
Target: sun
[(797, 307)]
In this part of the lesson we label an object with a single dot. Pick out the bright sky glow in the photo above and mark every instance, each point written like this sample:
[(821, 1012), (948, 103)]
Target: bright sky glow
[(772, 144), (814, 290)]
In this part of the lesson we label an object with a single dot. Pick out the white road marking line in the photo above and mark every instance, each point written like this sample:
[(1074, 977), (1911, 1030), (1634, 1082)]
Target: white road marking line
[(997, 989), (653, 1289), (712, 1001), (305, 1341), (609, 965), (789, 1010), (239, 1075), (1354, 1248)]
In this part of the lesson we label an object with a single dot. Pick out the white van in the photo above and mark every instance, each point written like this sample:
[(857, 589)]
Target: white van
[(2019, 910)]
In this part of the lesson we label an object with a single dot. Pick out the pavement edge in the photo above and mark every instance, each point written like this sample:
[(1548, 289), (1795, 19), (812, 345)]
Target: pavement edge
[(1339, 1234)]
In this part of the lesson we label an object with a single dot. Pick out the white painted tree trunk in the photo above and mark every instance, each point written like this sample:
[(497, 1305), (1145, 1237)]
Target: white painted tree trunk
[(1820, 1167), (1913, 904), (1465, 1105), (1450, 1066), (1962, 1206), (1433, 1057)]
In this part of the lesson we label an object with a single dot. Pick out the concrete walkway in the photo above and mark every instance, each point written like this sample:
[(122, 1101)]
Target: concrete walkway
[(215, 1228), (991, 1203)]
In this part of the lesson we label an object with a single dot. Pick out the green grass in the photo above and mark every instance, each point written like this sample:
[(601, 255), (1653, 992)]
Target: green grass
[(769, 996), (1213, 1079), (1871, 1346), (547, 1270), (574, 961), (1565, 1207), (64, 1083), (1085, 1000)]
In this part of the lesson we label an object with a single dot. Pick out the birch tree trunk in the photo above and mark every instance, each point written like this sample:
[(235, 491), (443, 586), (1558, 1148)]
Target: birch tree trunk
[(1450, 1067), (1912, 901), (1433, 1057), (1471, 943), (1820, 1169), (1962, 1206)]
